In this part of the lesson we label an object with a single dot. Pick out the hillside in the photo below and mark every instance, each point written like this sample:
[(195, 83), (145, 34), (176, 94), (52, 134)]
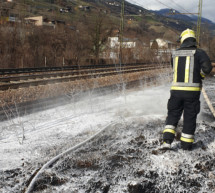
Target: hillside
[(190, 18), (73, 10), (77, 32)]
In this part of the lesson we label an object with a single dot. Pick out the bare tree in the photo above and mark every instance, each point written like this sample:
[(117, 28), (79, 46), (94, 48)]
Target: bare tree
[(77, 46), (99, 33)]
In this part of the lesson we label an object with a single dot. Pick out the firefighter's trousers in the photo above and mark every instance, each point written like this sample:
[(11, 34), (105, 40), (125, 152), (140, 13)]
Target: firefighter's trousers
[(190, 107)]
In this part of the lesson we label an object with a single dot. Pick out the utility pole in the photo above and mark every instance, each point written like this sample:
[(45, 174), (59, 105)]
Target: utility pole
[(199, 23), (121, 31), (198, 27)]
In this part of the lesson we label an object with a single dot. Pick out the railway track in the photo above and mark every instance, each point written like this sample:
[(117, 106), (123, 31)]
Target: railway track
[(67, 68), (10, 111), (20, 81), (42, 75)]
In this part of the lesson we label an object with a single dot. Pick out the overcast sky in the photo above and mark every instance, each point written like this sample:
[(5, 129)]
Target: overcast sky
[(182, 6)]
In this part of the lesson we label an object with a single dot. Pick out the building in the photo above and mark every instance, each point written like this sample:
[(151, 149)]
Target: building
[(162, 46), (126, 42), (84, 8), (114, 46), (38, 20)]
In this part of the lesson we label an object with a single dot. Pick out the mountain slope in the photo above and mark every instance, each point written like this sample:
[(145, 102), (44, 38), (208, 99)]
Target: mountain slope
[(177, 15)]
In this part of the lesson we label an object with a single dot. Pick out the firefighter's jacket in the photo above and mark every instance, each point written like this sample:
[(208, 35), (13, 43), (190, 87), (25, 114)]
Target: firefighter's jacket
[(190, 65)]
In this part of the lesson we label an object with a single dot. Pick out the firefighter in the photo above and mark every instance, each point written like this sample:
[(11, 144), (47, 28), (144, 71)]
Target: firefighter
[(190, 65)]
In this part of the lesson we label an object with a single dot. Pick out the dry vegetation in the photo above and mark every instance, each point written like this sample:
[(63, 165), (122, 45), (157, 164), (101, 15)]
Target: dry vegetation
[(78, 38)]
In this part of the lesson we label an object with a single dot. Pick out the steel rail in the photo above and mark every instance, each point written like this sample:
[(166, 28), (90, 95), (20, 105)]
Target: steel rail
[(28, 83), (64, 68), (61, 74)]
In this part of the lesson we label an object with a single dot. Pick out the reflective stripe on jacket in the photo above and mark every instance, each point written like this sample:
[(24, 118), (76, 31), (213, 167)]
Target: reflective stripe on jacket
[(183, 68)]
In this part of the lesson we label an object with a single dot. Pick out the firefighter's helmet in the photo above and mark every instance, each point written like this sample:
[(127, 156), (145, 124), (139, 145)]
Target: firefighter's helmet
[(188, 33)]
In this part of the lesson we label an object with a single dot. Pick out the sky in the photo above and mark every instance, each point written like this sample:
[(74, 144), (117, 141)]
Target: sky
[(182, 6)]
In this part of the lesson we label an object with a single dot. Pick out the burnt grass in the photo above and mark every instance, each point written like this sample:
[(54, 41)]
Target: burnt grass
[(126, 158)]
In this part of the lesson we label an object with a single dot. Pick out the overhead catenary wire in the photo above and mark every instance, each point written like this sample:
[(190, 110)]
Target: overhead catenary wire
[(141, 5), (182, 8), (163, 4), (146, 5), (167, 6)]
